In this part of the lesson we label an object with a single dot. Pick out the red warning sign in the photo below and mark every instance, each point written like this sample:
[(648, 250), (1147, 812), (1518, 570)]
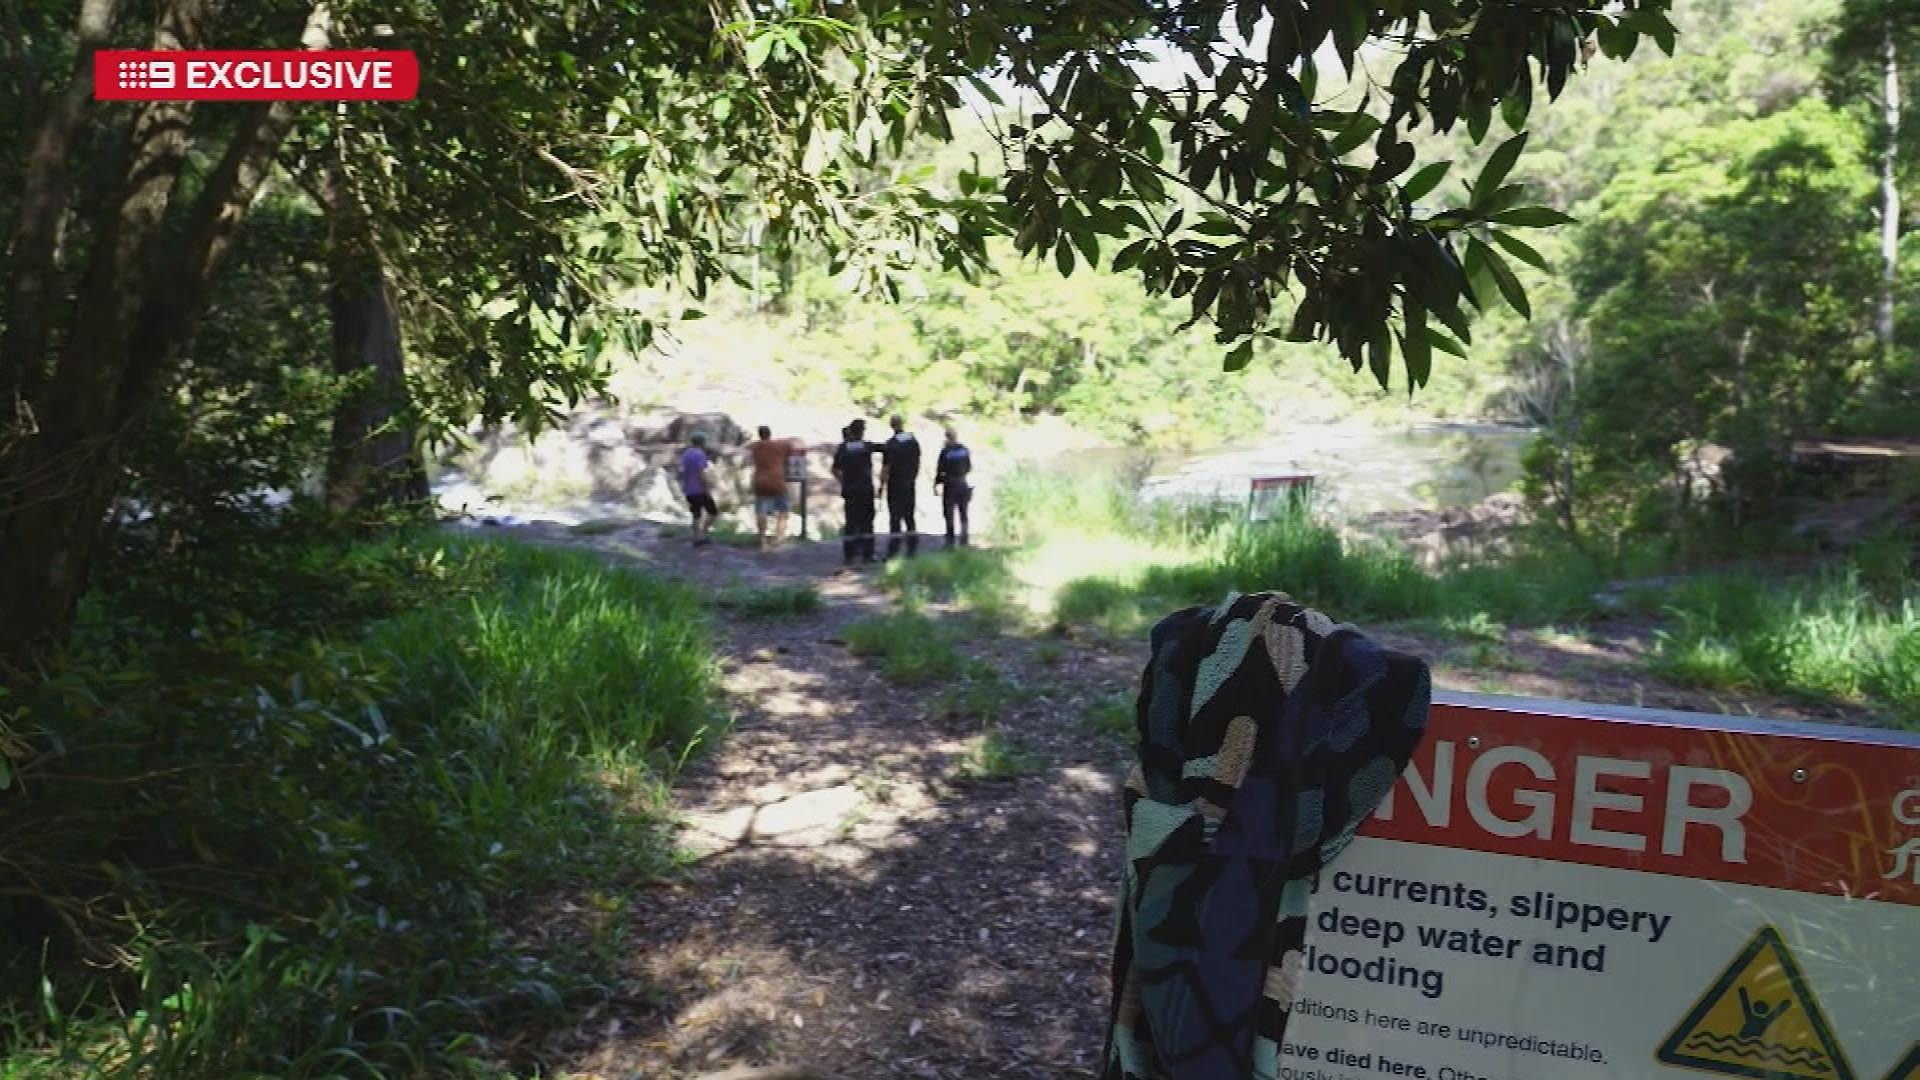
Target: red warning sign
[(1831, 813), (1596, 893)]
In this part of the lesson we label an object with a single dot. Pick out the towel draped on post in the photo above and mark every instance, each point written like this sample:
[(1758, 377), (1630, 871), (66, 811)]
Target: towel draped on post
[(1267, 734)]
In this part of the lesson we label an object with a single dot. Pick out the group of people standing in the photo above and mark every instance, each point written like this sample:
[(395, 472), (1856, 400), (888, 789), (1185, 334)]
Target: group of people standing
[(853, 467), (899, 479)]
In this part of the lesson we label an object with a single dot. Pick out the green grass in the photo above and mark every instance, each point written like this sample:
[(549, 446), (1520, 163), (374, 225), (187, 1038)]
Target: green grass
[(981, 695), (771, 601), (993, 756), (284, 822), (909, 648), (980, 581), (1092, 562), (1119, 583), (1113, 716), (1476, 627), (1827, 637), (1030, 504)]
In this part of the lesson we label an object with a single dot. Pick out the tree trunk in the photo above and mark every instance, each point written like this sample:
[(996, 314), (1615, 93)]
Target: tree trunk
[(373, 461), (58, 482), (44, 198), (134, 312), (1889, 188)]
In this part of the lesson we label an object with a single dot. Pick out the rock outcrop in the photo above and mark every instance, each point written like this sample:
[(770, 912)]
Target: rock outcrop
[(603, 463), (1433, 536)]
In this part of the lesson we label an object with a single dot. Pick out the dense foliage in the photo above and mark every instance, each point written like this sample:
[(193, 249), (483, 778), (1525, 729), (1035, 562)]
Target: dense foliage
[(1723, 282), (292, 800), (555, 156)]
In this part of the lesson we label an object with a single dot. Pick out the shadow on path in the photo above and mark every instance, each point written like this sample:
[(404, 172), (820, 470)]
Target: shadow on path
[(854, 902)]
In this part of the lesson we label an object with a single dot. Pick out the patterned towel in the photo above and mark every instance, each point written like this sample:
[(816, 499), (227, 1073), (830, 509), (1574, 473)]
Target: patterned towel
[(1267, 735)]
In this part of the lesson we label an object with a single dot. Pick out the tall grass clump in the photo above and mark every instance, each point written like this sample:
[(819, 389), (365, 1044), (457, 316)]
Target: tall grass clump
[(910, 648), (1029, 504), (1191, 561), (291, 821), (980, 581), (1826, 637)]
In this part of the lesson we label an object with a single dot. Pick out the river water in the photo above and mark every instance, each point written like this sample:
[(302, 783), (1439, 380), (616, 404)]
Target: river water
[(1357, 469)]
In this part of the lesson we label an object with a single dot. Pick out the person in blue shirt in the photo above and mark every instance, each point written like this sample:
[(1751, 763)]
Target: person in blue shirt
[(951, 471), (697, 487)]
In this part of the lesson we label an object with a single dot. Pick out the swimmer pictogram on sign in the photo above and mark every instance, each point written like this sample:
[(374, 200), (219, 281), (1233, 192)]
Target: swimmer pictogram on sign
[(1759, 1019)]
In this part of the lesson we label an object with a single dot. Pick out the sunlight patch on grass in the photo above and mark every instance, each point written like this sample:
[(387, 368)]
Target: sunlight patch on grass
[(993, 756)]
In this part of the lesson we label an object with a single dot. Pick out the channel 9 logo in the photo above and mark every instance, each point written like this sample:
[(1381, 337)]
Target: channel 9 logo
[(145, 75)]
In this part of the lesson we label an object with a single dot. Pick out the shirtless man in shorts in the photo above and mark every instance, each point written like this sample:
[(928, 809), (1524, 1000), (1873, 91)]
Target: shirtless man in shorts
[(770, 505)]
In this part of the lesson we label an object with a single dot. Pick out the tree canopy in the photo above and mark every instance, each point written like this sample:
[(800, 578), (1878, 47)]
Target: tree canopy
[(558, 154)]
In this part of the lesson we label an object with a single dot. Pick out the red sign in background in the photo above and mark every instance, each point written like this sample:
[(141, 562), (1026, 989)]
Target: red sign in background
[(1821, 810), (255, 75)]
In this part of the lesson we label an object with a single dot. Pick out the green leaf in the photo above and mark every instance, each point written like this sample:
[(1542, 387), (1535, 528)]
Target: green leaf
[(757, 50), (1361, 129), (1479, 117), (1519, 102), (1391, 158), (1518, 248), (1532, 217), (1500, 164), (1416, 346), (1503, 277), (1306, 319), (1089, 245), (1480, 283), (1439, 339), (1421, 183), (6, 774), (1240, 357), (1129, 255), (984, 89), (1662, 32), (1063, 258), (1492, 201), (1380, 358)]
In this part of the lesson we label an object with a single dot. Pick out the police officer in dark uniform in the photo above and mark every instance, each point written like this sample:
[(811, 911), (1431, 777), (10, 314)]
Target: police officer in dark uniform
[(899, 471), (951, 472), (853, 467)]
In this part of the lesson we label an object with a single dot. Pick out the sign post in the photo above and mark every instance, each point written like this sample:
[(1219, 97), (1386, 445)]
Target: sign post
[(797, 473), (1264, 491), (1564, 892)]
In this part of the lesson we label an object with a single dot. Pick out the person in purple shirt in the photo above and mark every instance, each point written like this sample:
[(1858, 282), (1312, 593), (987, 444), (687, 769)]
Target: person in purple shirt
[(694, 485)]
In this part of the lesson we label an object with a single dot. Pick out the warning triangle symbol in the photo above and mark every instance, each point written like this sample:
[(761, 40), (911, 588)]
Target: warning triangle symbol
[(1909, 1067), (1759, 1019)]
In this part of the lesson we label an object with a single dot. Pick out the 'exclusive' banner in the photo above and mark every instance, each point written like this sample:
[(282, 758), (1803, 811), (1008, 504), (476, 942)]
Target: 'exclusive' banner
[(255, 75)]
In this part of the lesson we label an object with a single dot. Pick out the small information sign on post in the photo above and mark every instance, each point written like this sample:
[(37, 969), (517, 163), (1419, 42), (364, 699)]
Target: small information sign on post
[(797, 474), (1264, 493)]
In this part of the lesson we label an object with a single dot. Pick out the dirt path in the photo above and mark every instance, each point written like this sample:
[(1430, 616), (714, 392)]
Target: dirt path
[(857, 904)]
